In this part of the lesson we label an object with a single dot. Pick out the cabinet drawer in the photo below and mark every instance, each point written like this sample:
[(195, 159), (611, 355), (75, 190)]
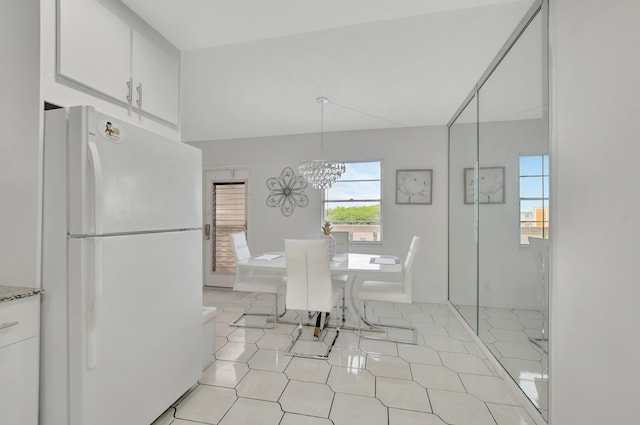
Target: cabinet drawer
[(19, 319)]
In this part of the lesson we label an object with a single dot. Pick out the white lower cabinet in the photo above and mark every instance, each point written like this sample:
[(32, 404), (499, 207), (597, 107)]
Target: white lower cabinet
[(19, 361)]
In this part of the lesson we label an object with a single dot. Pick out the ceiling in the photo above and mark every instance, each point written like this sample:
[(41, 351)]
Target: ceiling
[(254, 68)]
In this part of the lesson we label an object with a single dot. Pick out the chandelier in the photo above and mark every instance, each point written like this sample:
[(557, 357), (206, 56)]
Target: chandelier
[(321, 173)]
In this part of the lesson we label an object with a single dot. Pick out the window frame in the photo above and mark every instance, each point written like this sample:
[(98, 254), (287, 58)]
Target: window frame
[(542, 199), (324, 202)]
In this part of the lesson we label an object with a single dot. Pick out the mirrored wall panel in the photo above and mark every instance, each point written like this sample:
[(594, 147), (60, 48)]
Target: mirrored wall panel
[(499, 225), (513, 209)]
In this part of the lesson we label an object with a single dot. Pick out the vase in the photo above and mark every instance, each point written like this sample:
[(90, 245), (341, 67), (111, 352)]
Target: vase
[(331, 245)]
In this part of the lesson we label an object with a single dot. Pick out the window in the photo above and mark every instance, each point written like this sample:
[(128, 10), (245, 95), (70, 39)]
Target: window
[(352, 204), (534, 197)]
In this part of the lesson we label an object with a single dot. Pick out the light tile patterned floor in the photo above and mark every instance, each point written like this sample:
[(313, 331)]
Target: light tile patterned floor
[(508, 334), (444, 380)]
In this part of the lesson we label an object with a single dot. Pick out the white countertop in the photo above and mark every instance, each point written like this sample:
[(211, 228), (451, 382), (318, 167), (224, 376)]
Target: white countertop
[(8, 293)]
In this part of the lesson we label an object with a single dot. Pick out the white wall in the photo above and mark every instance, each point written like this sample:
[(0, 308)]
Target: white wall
[(20, 147), (595, 233), (62, 94), (406, 148)]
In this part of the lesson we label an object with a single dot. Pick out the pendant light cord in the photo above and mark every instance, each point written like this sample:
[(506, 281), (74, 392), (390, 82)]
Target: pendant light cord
[(365, 113), (322, 101)]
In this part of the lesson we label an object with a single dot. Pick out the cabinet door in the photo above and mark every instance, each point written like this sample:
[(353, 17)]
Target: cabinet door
[(19, 383), (159, 73), (94, 47)]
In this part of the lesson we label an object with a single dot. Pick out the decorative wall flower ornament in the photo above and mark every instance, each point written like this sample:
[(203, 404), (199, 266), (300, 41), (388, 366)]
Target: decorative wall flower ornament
[(287, 192)]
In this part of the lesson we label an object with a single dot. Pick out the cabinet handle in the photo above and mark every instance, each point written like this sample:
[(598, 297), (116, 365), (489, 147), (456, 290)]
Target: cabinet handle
[(130, 88), (139, 89), (8, 325)]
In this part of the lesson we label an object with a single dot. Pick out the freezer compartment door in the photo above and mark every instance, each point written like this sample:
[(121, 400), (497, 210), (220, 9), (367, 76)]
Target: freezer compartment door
[(125, 179), (135, 323)]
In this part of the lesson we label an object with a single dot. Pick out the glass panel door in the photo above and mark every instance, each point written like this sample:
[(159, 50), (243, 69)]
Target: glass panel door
[(229, 216), (513, 210), (463, 236), (499, 207), (225, 211)]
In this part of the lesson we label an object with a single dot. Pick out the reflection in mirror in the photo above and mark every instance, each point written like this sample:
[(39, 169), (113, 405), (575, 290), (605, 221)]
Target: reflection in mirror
[(463, 252), (499, 210), (512, 271)]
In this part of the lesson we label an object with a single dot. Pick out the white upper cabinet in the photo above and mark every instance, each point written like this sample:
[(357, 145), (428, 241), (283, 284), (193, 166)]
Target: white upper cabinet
[(94, 47), (100, 51), (156, 75)]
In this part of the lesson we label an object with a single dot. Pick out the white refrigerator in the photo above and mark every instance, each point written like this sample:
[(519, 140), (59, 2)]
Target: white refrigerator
[(122, 271)]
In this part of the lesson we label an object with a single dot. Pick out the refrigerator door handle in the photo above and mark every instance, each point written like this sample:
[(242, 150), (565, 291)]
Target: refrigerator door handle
[(92, 314), (94, 160)]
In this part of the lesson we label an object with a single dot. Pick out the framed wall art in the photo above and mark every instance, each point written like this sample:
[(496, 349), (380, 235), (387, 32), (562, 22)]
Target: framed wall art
[(414, 187), (491, 185)]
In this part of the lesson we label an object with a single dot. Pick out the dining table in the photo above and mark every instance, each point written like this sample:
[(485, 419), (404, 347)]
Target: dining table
[(375, 266)]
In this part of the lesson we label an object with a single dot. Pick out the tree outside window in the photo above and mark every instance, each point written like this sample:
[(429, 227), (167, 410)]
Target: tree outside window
[(352, 204)]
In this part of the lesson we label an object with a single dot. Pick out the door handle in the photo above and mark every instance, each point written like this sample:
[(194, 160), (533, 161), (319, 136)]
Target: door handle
[(207, 232)]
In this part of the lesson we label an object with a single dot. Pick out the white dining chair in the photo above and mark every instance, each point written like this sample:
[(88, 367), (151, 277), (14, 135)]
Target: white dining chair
[(394, 292), (266, 284), (310, 286), (341, 281), (342, 242)]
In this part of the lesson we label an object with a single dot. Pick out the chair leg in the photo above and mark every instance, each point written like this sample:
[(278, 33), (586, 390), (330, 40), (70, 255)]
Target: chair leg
[(310, 315), (543, 342), (296, 338), (319, 325), (379, 327), (325, 356), (268, 323), (344, 306), (275, 316)]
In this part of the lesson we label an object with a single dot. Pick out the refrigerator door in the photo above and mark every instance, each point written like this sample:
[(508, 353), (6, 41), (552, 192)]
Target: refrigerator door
[(125, 179), (134, 325)]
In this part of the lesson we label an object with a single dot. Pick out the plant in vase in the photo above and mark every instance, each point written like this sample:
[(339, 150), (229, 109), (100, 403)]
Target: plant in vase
[(331, 242)]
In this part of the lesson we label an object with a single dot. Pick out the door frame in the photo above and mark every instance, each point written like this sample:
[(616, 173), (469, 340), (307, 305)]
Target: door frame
[(220, 175)]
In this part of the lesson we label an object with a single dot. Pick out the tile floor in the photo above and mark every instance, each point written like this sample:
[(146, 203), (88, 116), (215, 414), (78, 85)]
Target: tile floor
[(445, 379), (507, 333)]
